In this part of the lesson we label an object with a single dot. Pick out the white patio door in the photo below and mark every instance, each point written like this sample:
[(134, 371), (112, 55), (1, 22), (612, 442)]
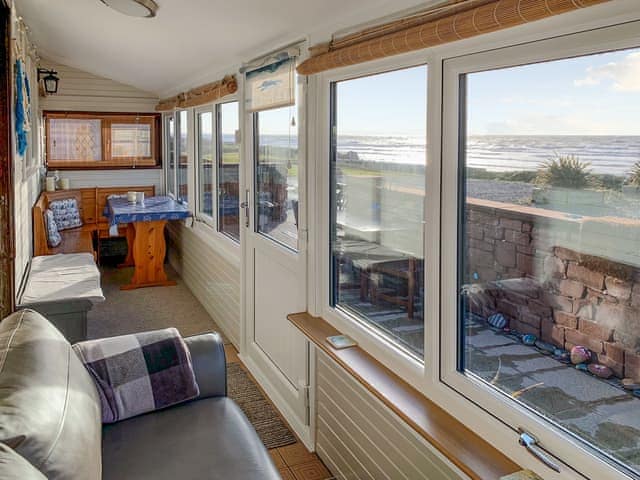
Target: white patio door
[(275, 258)]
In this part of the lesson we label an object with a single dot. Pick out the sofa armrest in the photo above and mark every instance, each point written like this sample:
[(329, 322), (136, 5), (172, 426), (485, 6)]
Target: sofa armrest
[(209, 364)]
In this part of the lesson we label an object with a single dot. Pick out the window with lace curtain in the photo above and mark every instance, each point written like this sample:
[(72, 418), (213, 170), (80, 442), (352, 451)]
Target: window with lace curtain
[(99, 140)]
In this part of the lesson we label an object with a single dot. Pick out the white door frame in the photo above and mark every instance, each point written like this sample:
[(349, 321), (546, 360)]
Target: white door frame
[(255, 359)]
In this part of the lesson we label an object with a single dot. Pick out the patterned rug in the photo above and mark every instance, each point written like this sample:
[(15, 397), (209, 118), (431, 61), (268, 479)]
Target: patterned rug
[(263, 416)]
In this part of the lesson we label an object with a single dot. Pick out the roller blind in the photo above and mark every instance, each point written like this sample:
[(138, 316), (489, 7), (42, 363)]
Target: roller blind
[(200, 95), (271, 86), (454, 20)]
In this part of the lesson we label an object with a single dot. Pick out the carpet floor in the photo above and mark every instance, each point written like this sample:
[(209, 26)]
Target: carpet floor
[(130, 311)]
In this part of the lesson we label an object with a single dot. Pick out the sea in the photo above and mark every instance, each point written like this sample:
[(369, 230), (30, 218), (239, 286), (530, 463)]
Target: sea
[(606, 154)]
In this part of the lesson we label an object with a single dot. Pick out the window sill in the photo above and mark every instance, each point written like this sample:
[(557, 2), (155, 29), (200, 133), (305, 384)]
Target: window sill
[(102, 167), (464, 448)]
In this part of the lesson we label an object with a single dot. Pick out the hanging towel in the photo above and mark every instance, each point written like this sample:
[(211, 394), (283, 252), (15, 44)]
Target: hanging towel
[(23, 109)]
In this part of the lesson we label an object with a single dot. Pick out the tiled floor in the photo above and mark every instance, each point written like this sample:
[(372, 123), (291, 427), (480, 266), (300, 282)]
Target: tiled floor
[(294, 461)]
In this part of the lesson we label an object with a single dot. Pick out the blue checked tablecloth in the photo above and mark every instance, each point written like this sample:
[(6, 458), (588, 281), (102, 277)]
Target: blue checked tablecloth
[(119, 210)]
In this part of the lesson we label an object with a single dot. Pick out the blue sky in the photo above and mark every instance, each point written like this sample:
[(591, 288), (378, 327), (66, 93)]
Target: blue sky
[(592, 95)]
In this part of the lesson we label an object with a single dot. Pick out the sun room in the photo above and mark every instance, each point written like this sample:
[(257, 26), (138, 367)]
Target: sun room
[(353, 240)]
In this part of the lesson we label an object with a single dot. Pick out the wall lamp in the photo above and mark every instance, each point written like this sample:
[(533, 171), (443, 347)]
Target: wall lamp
[(50, 78)]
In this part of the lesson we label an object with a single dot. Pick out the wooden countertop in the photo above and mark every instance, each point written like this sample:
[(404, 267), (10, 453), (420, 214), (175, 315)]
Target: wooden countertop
[(464, 448)]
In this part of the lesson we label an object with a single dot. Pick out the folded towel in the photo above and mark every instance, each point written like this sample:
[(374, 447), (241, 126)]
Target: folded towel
[(139, 373)]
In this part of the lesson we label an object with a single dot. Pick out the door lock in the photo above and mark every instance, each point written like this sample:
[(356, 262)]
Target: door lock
[(246, 206)]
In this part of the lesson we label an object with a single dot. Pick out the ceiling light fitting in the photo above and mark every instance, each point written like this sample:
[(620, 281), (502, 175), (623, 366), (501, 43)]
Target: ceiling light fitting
[(133, 8)]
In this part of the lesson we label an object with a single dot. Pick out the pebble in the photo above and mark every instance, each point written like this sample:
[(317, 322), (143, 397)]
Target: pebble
[(582, 367), (601, 371), (636, 393), (630, 384), (497, 320), (562, 355), (545, 347), (580, 354), (529, 339)]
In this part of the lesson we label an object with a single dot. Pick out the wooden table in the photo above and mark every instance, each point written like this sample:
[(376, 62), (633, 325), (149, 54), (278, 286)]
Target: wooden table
[(145, 236)]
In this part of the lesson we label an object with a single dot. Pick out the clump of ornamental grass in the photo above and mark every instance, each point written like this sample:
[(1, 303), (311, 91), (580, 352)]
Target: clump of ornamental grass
[(566, 171), (633, 177)]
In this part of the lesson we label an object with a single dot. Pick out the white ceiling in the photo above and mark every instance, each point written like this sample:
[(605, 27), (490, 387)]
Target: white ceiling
[(189, 41)]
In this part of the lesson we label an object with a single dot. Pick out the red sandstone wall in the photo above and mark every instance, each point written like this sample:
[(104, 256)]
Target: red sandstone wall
[(516, 267)]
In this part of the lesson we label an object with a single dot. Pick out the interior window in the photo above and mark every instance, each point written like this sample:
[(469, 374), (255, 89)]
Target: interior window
[(549, 252), (378, 161), (131, 140), (206, 162), (74, 140), (182, 174), (276, 137), (96, 140), (229, 170), (170, 132)]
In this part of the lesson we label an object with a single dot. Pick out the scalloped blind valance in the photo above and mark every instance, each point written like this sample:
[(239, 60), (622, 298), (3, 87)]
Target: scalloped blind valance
[(200, 95), (447, 22)]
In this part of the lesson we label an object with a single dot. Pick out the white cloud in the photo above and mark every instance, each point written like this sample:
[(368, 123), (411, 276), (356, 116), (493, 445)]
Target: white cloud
[(624, 75)]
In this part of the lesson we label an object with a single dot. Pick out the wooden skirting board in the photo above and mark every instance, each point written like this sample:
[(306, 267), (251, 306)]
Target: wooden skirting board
[(464, 448)]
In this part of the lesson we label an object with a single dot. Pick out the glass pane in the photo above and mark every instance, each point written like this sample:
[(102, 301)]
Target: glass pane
[(183, 157), (550, 244), (131, 140), (171, 154), (75, 139), (229, 170), (205, 162), (378, 187), (277, 175)]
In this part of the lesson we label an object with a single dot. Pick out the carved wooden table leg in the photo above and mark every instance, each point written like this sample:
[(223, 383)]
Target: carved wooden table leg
[(149, 249), (131, 235)]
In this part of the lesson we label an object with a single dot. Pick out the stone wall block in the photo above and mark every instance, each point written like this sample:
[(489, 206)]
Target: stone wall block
[(584, 275), (506, 254), (511, 224), (565, 319), (572, 288), (576, 337), (595, 330), (618, 288)]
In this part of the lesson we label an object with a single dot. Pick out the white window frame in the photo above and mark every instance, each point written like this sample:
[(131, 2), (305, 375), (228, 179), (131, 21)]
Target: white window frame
[(202, 216), (382, 347), (428, 377), (217, 113), (165, 120), (189, 201), (597, 41), (206, 225)]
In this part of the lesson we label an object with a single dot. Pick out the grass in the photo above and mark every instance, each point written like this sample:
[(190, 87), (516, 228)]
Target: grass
[(566, 171), (634, 175)]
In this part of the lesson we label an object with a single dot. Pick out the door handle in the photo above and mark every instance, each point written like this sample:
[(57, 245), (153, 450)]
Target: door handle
[(530, 442), (246, 207)]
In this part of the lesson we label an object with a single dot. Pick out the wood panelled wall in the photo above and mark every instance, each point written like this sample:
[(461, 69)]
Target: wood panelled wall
[(26, 171), (358, 437), (211, 276), (82, 91)]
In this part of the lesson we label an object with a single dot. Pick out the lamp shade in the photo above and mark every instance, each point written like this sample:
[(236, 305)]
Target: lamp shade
[(51, 84), (133, 8)]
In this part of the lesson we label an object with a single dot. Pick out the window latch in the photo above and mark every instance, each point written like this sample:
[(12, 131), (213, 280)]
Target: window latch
[(530, 442)]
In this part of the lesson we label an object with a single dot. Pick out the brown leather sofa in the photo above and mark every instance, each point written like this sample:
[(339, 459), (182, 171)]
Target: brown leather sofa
[(50, 424)]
